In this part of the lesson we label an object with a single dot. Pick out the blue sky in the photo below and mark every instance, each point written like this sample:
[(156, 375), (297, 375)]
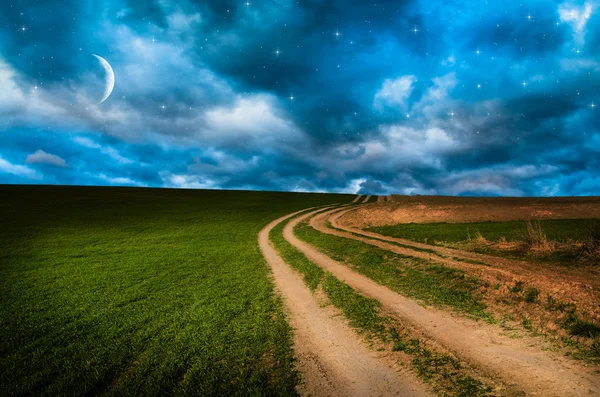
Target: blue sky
[(409, 97)]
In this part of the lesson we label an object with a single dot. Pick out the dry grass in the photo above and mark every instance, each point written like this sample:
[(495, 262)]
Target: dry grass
[(534, 239), (590, 249)]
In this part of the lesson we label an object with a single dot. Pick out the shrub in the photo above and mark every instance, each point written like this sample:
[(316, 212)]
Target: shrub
[(531, 295), (518, 287)]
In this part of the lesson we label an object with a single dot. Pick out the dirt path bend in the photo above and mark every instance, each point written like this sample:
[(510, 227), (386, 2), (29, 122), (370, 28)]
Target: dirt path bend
[(516, 361), (331, 358), (357, 198), (548, 276), (366, 199)]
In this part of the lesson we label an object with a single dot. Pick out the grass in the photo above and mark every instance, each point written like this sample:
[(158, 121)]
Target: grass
[(364, 314), (561, 230), (125, 291), (556, 239), (434, 284)]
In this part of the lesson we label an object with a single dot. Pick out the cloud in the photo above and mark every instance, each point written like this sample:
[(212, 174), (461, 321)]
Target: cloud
[(18, 170), (109, 151), (577, 17), (252, 118), (120, 181), (394, 93), (41, 157)]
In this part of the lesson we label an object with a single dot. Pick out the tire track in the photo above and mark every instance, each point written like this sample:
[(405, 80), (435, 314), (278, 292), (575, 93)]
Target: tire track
[(508, 268), (356, 198), (331, 358), (516, 361)]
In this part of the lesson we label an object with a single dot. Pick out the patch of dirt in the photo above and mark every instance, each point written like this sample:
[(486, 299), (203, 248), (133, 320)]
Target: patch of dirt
[(427, 209), (519, 362), (331, 358)]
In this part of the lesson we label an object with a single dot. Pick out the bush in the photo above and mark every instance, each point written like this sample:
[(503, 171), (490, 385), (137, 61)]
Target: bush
[(531, 295)]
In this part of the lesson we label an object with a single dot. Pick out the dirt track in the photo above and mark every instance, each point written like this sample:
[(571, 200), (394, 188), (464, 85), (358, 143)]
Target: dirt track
[(517, 361), (331, 358), (571, 284)]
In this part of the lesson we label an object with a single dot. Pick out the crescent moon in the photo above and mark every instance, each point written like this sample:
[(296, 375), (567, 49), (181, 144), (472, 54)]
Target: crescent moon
[(110, 78)]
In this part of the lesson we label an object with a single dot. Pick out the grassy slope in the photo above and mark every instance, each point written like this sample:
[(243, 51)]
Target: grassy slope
[(141, 291), (556, 230)]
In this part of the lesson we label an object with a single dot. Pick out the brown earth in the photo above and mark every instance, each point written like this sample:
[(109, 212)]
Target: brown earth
[(424, 209), (521, 363), (331, 359)]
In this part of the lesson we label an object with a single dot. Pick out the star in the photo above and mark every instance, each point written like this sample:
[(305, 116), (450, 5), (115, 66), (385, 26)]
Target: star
[(451, 114), (292, 98), (593, 105), (248, 4), (415, 30), (524, 83), (163, 107), (529, 17), (277, 52), (478, 85), (337, 34), (23, 29)]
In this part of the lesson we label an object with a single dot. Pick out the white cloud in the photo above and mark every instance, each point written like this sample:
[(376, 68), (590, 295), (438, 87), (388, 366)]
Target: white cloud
[(450, 61), (577, 17), (41, 157), (394, 93), (18, 170), (181, 22), (185, 181), (109, 151), (120, 180), (251, 118)]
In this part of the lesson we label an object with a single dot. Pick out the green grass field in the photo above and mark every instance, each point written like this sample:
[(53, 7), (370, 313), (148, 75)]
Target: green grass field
[(126, 291)]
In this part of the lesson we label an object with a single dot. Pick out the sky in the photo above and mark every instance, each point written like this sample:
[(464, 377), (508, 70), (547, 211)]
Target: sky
[(387, 97)]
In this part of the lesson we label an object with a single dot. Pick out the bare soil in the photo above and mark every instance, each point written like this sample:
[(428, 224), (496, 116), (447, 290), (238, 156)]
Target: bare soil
[(425, 209), (520, 363), (331, 358)]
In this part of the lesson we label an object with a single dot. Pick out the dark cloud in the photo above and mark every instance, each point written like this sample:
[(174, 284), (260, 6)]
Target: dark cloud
[(414, 97)]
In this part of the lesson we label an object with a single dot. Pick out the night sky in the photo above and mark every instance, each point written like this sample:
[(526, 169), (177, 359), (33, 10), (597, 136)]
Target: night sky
[(407, 97)]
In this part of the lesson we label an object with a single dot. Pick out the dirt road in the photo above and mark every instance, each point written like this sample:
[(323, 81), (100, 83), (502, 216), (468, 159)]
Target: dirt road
[(357, 198), (519, 362), (331, 358), (563, 283), (366, 199)]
